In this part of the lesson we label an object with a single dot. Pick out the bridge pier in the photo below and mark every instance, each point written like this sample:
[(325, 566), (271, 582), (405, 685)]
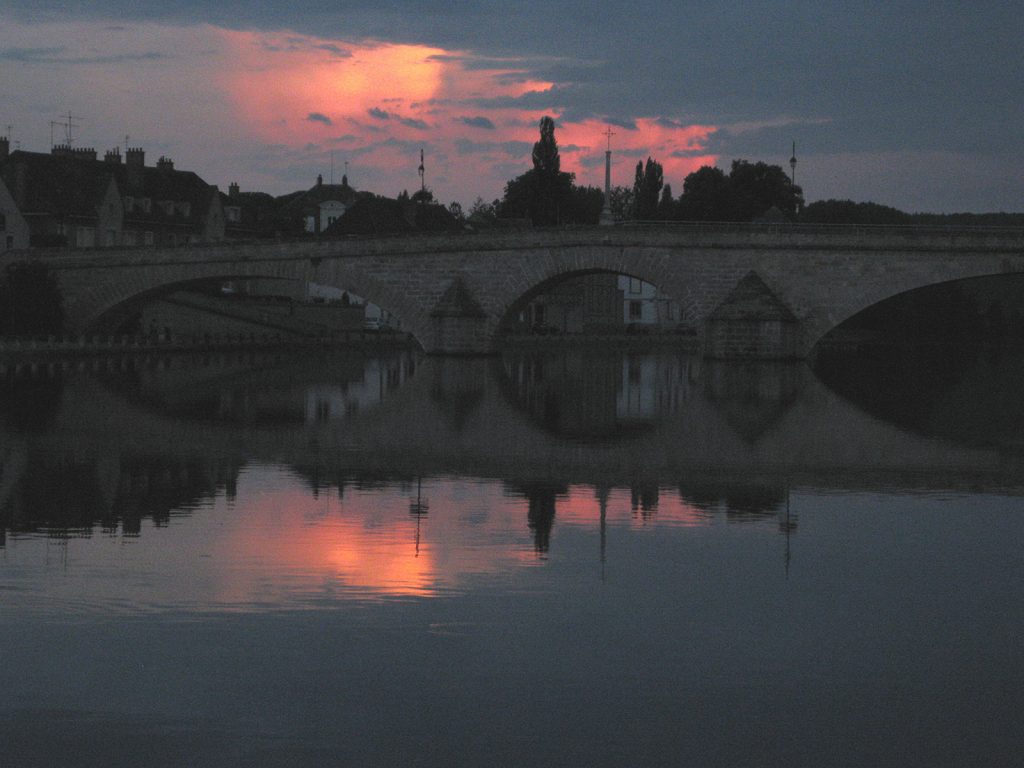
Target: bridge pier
[(459, 324)]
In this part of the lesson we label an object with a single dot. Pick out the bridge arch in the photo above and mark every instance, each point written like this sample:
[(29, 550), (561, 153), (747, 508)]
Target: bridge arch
[(102, 306), (821, 275), (951, 306)]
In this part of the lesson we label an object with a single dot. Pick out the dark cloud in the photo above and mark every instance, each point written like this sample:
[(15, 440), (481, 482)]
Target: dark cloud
[(338, 51), (381, 114), (477, 122), (510, 148), (60, 56), (319, 117)]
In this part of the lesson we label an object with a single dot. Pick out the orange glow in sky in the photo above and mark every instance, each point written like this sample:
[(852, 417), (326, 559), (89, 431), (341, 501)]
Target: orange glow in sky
[(374, 105)]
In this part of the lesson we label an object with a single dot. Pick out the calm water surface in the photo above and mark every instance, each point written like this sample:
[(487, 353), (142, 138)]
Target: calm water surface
[(563, 559)]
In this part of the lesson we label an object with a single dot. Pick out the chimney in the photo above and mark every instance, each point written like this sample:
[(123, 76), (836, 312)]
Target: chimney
[(165, 163), (113, 156), (233, 189), (135, 162), (319, 179), (61, 150), (84, 153), (5, 147)]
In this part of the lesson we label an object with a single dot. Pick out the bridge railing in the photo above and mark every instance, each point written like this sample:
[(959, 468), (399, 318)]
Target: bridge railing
[(696, 228)]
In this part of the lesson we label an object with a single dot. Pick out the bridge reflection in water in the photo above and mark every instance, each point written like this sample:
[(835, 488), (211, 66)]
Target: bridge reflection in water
[(684, 438), (580, 560)]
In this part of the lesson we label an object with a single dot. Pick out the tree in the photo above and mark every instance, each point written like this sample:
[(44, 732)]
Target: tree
[(455, 209), (544, 193), (423, 195), (756, 187), (667, 205), (705, 193), (646, 187), (849, 212), (747, 192), (621, 203)]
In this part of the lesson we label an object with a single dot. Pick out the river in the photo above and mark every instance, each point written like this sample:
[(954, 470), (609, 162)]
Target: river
[(599, 558)]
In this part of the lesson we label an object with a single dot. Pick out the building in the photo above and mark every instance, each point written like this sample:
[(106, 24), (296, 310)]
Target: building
[(312, 211), (13, 227), (599, 303), (70, 198)]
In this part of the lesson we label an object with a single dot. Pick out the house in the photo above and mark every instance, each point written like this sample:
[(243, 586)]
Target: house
[(249, 215), (70, 198), (13, 227), (312, 211), (372, 215)]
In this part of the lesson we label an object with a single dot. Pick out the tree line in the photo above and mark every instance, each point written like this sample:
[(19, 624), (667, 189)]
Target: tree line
[(546, 195)]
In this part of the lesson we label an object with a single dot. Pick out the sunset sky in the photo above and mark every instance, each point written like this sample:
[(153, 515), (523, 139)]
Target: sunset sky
[(912, 104)]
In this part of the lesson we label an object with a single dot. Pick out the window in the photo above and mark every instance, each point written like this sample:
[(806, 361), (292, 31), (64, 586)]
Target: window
[(233, 213), (636, 285), (636, 310), (10, 242)]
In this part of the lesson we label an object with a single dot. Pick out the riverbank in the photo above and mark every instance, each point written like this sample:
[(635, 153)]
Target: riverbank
[(55, 347)]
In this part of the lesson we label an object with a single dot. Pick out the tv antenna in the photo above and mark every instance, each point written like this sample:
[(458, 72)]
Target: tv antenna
[(69, 128)]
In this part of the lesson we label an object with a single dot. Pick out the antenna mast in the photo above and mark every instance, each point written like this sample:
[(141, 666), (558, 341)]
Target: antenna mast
[(69, 128), (422, 171)]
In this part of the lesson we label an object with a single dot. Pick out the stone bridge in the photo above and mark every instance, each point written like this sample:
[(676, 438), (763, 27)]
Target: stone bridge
[(455, 293)]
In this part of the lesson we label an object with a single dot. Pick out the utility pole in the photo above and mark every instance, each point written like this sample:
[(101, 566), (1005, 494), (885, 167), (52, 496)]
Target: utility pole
[(792, 166)]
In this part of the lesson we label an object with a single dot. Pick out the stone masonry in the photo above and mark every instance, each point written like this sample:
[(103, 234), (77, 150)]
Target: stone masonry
[(454, 292)]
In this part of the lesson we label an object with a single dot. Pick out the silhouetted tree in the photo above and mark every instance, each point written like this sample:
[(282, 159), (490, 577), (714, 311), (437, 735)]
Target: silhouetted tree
[(667, 205), (756, 187), (424, 195), (646, 188), (543, 193), (849, 212), (705, 195), (747, 192), (621, 202)]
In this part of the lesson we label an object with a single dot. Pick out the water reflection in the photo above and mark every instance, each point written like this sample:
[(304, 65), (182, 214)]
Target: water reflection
[(599, 395), (263, 389), (968, 394), (759, 569)]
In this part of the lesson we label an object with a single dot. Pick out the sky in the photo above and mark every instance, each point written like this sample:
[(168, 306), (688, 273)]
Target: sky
[(918, 105)]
